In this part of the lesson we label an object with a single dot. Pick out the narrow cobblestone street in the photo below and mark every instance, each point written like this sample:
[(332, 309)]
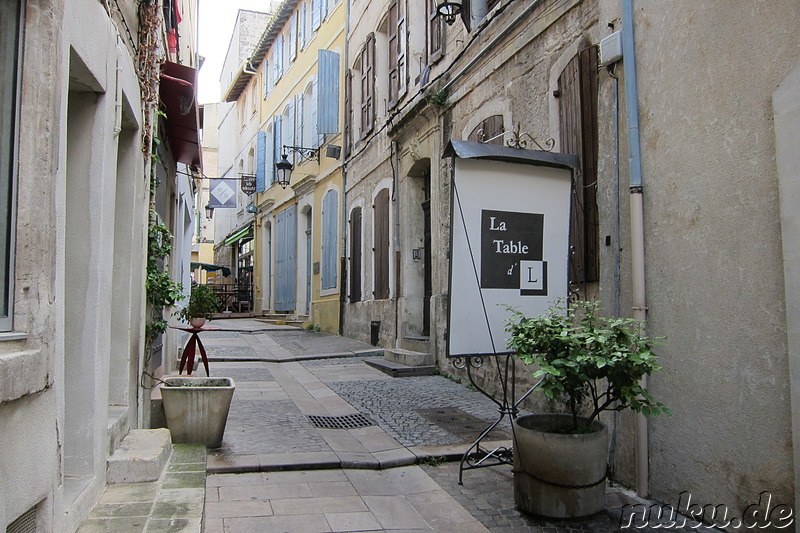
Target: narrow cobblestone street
[(277, 471)]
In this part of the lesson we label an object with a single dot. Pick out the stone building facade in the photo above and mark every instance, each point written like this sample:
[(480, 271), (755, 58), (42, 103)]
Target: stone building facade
[(714, 180), (74, 205)]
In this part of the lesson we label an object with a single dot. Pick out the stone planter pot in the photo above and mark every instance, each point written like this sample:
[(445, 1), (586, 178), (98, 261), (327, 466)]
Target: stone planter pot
[(552, 470), (197, 322), (197, 408)]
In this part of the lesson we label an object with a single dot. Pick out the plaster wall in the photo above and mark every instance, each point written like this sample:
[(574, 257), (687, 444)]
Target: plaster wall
[(715, 278), (786, 104)]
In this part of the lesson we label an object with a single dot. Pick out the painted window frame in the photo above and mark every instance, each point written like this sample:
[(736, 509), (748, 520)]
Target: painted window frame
[(12, 34)]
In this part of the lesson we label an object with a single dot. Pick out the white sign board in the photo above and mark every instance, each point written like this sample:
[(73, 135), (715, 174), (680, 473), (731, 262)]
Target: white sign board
[(222, 194), (509, 248)]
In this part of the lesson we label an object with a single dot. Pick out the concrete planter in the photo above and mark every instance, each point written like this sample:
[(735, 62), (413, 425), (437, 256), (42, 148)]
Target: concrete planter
[(550, 468), (196, 408)]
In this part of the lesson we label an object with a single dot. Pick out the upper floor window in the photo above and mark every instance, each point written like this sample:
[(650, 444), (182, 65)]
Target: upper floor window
[(435, 33), (368, 86), (10, 15), (396, 38)]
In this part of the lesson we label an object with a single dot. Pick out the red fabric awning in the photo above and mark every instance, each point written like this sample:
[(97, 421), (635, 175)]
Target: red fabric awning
[(179, 97)]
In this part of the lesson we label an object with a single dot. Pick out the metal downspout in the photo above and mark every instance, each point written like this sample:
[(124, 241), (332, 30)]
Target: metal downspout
[(344, 273), (637, 225)]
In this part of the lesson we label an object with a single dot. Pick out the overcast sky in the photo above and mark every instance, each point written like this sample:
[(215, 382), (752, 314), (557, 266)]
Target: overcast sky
[(217, 18)]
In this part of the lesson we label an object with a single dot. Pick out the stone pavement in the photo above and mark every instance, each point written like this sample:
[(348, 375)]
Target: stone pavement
[(317, 441), (174, 503), (277, 471)]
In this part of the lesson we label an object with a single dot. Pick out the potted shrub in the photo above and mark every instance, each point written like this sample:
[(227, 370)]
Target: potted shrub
[(202, 304), (196, 408), (591, 364)]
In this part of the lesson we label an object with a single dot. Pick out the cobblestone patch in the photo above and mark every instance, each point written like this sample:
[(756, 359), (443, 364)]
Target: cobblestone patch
[(258, 426), (393, 404)]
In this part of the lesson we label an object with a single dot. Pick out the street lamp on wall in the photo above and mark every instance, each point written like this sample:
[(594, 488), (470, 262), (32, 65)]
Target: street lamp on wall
[(209, 211), (449, 10), (284, 166)]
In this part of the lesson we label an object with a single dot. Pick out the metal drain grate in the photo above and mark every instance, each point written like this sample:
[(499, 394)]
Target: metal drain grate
[(341, 422)]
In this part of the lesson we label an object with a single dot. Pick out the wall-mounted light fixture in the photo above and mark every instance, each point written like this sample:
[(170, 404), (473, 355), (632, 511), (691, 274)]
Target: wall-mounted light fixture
[(252, 209), (284, 166), (209, 211), (449, 10)]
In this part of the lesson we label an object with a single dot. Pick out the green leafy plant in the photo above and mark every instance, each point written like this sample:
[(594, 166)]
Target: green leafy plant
[(162, 292), (202, 303), (586, 358), (439, 98)]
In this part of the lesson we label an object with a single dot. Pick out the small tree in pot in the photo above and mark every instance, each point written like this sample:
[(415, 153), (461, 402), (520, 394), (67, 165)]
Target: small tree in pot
[(592, 364), (202, 304)]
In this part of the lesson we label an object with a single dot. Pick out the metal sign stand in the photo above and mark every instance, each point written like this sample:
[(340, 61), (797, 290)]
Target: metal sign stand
[(477, 456)]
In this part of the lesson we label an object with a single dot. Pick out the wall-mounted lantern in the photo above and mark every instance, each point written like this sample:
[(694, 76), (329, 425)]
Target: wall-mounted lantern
[(284, 166), (449, 10)]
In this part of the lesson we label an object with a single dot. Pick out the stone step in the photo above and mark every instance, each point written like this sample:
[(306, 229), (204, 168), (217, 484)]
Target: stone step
[(397, 370), (407, 357), (141, 456)]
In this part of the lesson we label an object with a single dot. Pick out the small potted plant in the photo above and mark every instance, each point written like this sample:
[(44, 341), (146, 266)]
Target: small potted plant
[(196, 408), (591, 364), (202, 304)]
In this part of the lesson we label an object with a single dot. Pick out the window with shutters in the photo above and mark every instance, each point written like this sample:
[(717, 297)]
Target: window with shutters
[(381, 245), (287, 125), (10, 53), (368, 86), (277, 145), (265, 81), (261, 161), (396, 38), (577, 103), (330, 227), (355, 255), (328, 94), (348, 113), (435, 33), (316, 14), (269, 156), (277, 58), (309, 116), (490, 128), (292, 37), (300, 118), (302, 25)]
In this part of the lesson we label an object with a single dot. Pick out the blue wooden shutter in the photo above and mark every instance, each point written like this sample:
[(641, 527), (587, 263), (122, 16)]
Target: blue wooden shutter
[(328, 94), (286, 259), (277, 145), (289, 128), (300, 119), (316, 14), (293, 37), (313, 114), (329, 232), (301, 25), (261, 184)]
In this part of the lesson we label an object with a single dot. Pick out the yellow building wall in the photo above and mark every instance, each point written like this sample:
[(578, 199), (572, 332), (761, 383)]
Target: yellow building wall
[(325, 174)]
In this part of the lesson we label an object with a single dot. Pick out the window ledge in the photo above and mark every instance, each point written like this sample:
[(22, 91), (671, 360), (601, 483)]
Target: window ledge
[(13, 336), (23, 373)]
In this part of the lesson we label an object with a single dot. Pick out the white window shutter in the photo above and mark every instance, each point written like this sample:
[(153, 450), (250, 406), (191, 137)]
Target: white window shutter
[(301, 26), (293, 37)]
